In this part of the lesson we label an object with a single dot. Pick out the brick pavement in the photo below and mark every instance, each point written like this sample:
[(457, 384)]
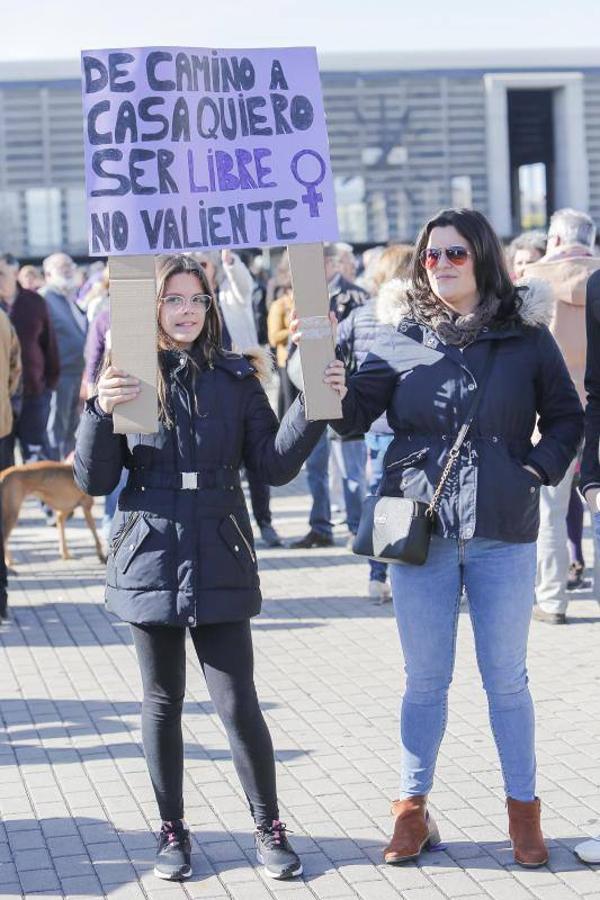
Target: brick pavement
[(76, 803)]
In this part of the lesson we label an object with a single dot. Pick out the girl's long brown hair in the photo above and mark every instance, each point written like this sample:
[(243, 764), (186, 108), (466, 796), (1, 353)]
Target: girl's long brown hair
[(208, 342)]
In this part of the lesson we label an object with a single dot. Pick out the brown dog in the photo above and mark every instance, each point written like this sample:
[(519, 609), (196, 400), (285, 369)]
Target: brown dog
[(53, 483)]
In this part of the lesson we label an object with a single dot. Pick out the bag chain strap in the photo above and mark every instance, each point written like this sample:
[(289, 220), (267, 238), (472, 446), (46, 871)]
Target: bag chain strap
[(455, 451)]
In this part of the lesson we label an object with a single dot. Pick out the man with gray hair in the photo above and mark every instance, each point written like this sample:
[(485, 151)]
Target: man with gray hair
[(70, 327), (568, 264)]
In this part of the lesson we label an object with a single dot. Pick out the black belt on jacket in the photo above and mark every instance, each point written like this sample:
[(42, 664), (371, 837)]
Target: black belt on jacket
[(225, 478)]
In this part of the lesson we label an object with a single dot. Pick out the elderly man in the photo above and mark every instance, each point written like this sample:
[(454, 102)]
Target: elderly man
[(568, 264), (29, 316), (70, 326)]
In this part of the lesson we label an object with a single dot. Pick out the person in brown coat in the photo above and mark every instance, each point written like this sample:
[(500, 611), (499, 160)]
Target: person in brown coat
[(278, 330), (10, 387), (10, 391)]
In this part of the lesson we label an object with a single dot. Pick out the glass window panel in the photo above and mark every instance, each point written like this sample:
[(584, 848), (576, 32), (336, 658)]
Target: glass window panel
[(44, 231), (462, 192), (352, 211), (76, 219), (11, 223), (532, 196)]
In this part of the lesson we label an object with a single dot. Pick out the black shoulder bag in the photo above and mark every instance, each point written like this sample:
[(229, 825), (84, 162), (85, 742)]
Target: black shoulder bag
[(397, 529)]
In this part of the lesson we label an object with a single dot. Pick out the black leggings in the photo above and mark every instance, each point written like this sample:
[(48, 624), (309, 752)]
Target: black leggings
[(225, 654)]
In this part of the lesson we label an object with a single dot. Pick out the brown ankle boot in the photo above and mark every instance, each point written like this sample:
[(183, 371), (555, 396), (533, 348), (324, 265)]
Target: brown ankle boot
[(526, 833), (414, 829)]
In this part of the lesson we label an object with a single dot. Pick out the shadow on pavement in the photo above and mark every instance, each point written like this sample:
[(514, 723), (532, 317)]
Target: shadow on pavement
[(89, 857)]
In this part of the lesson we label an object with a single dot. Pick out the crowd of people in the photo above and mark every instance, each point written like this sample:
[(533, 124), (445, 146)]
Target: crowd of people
[(420, 331)]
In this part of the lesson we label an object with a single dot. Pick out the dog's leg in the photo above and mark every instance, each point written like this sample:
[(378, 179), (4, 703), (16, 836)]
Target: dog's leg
[(13, 495), (61, 518), (89, 518)]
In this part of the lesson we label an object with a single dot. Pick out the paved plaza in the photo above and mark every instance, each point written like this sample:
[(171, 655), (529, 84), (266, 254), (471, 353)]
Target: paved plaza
[(77, 810)]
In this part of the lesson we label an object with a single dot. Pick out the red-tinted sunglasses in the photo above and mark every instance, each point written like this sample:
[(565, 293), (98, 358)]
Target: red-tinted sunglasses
[(457, 255)]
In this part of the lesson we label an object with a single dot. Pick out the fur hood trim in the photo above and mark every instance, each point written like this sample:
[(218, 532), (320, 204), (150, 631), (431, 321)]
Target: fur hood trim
[(537, 307), (262, 362)]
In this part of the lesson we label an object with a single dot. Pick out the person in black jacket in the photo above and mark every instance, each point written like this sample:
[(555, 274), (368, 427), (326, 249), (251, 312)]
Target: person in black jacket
[(181, 553), (590, 462), (460, 305)]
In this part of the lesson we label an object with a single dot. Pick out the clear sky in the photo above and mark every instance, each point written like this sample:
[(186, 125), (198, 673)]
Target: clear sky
[(59, 29)]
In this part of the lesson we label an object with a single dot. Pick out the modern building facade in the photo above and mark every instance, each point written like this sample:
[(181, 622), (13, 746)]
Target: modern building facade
[(515, 134)]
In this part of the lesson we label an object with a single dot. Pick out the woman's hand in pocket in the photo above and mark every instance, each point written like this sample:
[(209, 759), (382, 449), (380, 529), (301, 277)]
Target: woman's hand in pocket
[(533, 472)]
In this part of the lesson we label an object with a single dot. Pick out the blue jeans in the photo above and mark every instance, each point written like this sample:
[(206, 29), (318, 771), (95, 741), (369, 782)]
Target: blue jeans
[(500, 582), (351, 457), (376, 445), (30, 427), (318, 485), (63, 418), (110, 504)]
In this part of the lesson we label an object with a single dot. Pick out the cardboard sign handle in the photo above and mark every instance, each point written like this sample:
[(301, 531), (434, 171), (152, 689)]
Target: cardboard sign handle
[(133, 329), (311, 299)]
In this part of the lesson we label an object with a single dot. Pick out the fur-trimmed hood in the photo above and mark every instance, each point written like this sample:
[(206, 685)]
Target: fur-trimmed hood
[(262, 362), (537, 308)]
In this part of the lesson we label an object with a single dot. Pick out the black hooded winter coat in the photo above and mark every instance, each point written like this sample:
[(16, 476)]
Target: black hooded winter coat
[(182, 554)]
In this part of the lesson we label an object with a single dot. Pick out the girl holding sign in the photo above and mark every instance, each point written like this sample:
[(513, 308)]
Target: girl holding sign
[(181, 552)]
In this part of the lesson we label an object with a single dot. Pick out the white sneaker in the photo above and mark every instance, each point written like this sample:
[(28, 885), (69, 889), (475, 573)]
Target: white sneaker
[(588, 851), (380, 591)]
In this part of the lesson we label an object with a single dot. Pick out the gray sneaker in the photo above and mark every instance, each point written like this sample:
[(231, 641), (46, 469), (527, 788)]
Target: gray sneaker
[(174, 855), (549, 618), (274, 852)]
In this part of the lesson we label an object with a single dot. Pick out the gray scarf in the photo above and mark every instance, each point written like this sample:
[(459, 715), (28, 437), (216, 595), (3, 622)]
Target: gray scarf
[(450, 328)]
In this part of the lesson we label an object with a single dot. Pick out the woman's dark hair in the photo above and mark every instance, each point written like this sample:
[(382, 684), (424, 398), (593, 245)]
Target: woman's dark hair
[(491, 273)]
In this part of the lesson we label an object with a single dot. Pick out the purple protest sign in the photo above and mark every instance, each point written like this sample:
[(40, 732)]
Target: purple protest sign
[(188, 149)]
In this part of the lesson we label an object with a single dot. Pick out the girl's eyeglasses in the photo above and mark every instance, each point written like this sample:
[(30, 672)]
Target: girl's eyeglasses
[(198, 300), (457, 255)]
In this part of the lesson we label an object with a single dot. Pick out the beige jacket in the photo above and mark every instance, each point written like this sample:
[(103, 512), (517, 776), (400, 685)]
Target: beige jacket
[(278, 326), (10, 372), (567, 276)]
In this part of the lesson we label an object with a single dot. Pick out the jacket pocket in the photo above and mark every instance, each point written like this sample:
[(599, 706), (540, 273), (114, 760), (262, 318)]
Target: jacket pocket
[(226, 554), (412, 459), (507, 495), (127, 549), (144, 554)]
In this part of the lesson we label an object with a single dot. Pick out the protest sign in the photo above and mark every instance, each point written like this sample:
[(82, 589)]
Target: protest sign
[(194, 149)]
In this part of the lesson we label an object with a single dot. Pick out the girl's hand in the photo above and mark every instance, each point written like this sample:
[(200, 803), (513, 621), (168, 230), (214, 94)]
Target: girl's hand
[(335, 377), (114, 387), (335, 373)]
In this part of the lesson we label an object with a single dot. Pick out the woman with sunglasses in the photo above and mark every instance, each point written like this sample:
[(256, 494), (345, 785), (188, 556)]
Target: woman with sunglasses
[(181, 553), (459, 305)]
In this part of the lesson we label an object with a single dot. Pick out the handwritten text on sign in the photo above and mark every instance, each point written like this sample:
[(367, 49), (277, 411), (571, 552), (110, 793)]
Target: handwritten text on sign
[(189, 149)]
